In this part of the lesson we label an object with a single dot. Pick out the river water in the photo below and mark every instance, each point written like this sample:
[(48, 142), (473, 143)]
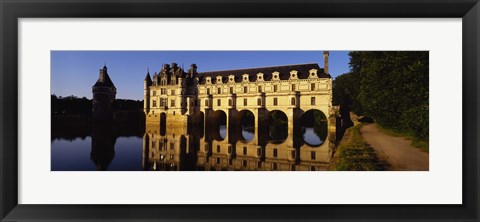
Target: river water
[(184, 149)]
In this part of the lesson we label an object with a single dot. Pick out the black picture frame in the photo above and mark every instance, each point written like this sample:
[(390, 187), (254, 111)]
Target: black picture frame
[(11, 11)]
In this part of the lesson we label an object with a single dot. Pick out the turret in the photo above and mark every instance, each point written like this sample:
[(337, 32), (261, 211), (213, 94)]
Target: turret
[(146, 92)]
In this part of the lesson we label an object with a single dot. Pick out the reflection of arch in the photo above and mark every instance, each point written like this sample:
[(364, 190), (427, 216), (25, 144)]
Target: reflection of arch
[(163, 123), (278, 126), (247, 124), (314, 126)]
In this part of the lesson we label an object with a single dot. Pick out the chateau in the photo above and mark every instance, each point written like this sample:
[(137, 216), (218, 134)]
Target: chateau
[(176, 96)]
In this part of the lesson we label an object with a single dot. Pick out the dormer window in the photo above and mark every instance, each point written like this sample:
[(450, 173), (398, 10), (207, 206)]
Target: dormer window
[(219, 79), (293, 74), (208, 80), (313, 73), (275, 75), (245, 77), (231, 78), (260, 77)]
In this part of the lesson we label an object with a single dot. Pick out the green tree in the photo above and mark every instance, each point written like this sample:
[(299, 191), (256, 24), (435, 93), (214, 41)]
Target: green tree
[(393, 89)]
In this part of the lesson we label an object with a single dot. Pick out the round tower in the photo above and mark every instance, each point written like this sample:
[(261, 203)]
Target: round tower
[(104, 92)]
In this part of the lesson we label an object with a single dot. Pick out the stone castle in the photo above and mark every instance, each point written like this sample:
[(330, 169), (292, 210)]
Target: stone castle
[(177, 96)]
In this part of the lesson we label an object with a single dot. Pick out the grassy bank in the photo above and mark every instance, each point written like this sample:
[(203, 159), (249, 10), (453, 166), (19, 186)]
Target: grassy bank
[(415, 142), (354, 153)]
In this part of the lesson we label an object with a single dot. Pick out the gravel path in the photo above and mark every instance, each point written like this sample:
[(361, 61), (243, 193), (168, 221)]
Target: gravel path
[(396, 152)]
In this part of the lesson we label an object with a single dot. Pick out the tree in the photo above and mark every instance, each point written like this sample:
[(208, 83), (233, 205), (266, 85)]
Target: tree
[(390, 86)]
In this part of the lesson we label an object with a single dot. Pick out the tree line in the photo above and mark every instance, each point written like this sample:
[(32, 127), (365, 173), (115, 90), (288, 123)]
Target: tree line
[(72, 105), (389, 86)]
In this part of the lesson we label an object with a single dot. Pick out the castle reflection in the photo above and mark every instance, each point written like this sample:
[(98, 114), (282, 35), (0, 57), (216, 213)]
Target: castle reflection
[(176, 147)]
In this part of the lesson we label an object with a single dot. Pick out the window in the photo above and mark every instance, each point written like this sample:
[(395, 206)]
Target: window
[(244, 89), (163, 91), (275, 101), (154, 92), (208, 91), (218, 160), (172, 146), (313, 155), (154, 103), (244, 163), (293, 87), (231, 90), (219, 90), (245, 102), (312, 101), (275, 152), (218, 148), (259, 101), (206, 147), (312, 86), (229, 149), (206, 102), (275, 88), (275, 166), (219, 102), (293, 101), (230, 102), (244, 150), (172, 103), (173, 92), (292, 154), (259, 89), (259, 164), (163, 102)]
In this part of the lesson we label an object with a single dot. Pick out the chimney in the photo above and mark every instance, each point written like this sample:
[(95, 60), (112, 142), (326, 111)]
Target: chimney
[(193, 70), (325, 61), (166, 66)]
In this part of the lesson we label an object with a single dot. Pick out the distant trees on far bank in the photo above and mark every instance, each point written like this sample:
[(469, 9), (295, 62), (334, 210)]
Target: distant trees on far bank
[(391, 87), (72, 105)]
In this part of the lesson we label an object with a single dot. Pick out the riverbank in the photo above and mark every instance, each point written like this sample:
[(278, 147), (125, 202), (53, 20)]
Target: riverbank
[(354, 154)]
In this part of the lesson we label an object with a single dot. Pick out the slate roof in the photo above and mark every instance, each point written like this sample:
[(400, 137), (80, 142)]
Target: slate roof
[(302, 69), (106, 83)]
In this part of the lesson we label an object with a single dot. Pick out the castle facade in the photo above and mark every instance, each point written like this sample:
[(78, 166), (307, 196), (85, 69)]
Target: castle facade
[(177, 96)]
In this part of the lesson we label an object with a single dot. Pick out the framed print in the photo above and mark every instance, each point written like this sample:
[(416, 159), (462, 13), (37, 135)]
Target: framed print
[(258, 94)]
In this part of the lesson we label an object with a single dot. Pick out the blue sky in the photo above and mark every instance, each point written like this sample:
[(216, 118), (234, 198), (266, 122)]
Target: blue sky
[(74, 72)]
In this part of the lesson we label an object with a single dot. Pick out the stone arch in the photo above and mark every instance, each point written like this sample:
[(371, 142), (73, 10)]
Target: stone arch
[(217, 121), (246, 120), (277, 126), (314, 127)]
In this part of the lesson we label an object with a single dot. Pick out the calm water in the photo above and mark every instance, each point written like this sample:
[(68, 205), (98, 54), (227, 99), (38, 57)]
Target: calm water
[(179, 148)]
